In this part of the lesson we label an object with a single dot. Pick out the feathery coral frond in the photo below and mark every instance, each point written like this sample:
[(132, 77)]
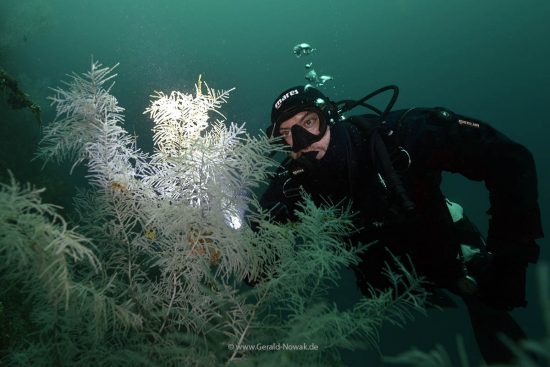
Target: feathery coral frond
[(174, 248)]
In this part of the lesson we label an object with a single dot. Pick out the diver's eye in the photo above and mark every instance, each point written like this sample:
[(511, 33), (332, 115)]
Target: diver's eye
[(310, 123)]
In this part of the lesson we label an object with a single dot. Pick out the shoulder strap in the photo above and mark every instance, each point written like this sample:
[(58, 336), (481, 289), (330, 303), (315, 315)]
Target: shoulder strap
[(369, 124), (380, 148), (365, 123)]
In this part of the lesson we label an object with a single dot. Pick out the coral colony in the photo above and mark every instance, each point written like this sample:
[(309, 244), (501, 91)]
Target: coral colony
[(156, 271)]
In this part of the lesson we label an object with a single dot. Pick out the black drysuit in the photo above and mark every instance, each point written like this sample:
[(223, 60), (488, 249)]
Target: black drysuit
[(435, 140)]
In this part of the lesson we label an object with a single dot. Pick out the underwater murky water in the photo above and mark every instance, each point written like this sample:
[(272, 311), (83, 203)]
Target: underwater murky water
[(484, 59)]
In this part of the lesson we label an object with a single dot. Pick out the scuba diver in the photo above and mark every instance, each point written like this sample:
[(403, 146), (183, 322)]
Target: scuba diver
[(389, 165)]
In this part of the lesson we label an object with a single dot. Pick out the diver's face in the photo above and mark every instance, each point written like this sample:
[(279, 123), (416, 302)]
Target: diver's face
[(309, 120)]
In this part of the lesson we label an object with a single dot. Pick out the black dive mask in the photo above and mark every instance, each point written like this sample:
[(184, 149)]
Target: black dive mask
[(301, 138)]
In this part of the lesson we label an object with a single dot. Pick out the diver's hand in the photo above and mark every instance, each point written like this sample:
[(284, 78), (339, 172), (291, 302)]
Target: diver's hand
[(505, 289), (307, 162)]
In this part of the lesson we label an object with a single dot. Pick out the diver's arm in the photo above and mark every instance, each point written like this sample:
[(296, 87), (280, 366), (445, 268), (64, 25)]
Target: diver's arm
[(280, 210), (273, 199), (480, 152)]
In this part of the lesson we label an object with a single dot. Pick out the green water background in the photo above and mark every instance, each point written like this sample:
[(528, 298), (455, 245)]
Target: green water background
[(489, 59)]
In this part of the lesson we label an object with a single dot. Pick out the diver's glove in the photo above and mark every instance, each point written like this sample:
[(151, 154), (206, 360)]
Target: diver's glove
[(504, 288), (307, 162), (296, 167)]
